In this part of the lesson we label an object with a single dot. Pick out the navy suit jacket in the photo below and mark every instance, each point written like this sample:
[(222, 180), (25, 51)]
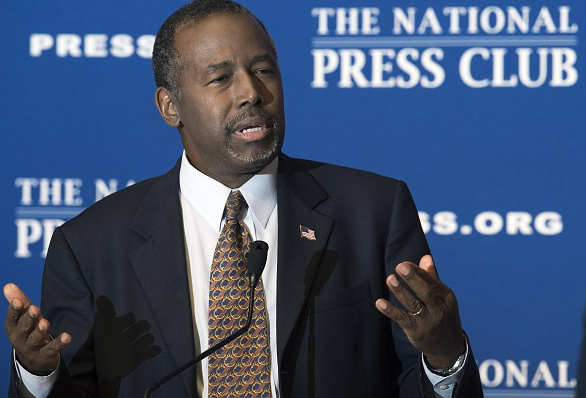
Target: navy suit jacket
[(116, 279)]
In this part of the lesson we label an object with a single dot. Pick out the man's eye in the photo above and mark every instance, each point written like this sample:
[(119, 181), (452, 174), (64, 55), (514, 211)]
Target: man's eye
[(219, 79), (264, 71)]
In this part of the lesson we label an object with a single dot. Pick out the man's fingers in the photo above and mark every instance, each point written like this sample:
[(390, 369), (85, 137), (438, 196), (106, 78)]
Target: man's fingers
[(19, 303), (426, 287), (20, 322), (411, 303), (394, 313), (28, 321), (427, 264), (11, 291), (15, 310), (39, 336), (430, 316), (54, 347), (28, 333)]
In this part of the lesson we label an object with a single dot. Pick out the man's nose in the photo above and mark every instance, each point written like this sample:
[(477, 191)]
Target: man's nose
[(249, 91)]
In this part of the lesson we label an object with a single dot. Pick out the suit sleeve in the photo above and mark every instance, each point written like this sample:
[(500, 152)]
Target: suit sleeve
[(406, 242), (67, 302)]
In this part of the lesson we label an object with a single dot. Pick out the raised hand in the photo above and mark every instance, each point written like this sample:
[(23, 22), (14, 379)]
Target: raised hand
[(28, 333), (431, 319)]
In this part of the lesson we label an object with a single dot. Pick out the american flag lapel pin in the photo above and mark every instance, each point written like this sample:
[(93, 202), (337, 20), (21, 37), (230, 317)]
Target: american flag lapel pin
[(307, 233)]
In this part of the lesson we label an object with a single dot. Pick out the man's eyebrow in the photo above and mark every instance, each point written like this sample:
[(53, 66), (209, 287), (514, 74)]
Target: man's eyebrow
[(263, 58), (211, 68)]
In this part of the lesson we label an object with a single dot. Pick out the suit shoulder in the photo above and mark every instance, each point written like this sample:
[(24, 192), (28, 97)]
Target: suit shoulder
[(331, 175), (115, 209)]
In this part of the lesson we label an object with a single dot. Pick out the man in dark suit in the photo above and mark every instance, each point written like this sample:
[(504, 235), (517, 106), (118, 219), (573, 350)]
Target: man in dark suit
[(120, 285)]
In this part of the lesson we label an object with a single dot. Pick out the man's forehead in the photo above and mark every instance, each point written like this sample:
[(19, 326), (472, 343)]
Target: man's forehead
[(216, 38), (227, 25)]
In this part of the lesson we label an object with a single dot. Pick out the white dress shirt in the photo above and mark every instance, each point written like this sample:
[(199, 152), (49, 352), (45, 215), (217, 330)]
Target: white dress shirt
[(203, 200)]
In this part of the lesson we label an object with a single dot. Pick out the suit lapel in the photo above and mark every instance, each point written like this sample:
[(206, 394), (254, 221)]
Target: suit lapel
[(298, 257), (161, 268)]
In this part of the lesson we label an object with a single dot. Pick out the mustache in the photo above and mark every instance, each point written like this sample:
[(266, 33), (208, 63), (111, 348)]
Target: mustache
[(268, 118)]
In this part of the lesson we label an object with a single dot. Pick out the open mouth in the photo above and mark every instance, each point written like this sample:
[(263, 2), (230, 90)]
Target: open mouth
[(251, 129), (253, 133)]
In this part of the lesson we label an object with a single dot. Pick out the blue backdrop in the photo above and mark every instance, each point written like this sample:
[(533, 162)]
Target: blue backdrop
[(478, 105)]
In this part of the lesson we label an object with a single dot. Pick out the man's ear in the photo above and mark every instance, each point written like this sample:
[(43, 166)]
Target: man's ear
[(167, 106)]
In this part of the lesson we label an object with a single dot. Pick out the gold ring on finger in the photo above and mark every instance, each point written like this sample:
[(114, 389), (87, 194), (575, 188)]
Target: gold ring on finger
[(419, 311)]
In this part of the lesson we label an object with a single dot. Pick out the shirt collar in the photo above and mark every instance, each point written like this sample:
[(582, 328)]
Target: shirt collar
[(208, 196)]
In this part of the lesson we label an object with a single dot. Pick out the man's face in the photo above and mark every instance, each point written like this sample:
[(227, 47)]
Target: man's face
[(230, 115)]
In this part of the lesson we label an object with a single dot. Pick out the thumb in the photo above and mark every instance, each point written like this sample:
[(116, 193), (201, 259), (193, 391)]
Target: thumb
[(427, 264), (11, 291)]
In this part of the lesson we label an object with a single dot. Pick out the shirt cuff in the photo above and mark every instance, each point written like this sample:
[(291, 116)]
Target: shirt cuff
[(32, 385), (444, 385)]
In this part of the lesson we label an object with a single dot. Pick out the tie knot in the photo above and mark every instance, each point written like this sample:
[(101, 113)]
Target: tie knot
[(234, 205)]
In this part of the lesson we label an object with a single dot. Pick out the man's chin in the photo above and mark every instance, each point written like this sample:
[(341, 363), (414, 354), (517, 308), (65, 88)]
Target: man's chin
[(258, 158)]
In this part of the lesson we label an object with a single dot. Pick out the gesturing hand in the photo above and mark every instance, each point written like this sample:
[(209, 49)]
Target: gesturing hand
[(28, 333), (431, 319)]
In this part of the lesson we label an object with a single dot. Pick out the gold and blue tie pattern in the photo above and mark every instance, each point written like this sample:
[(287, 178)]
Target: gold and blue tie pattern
[(242, 367)]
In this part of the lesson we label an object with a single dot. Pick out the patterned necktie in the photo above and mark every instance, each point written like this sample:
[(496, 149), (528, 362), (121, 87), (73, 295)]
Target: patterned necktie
[(241, 368)]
